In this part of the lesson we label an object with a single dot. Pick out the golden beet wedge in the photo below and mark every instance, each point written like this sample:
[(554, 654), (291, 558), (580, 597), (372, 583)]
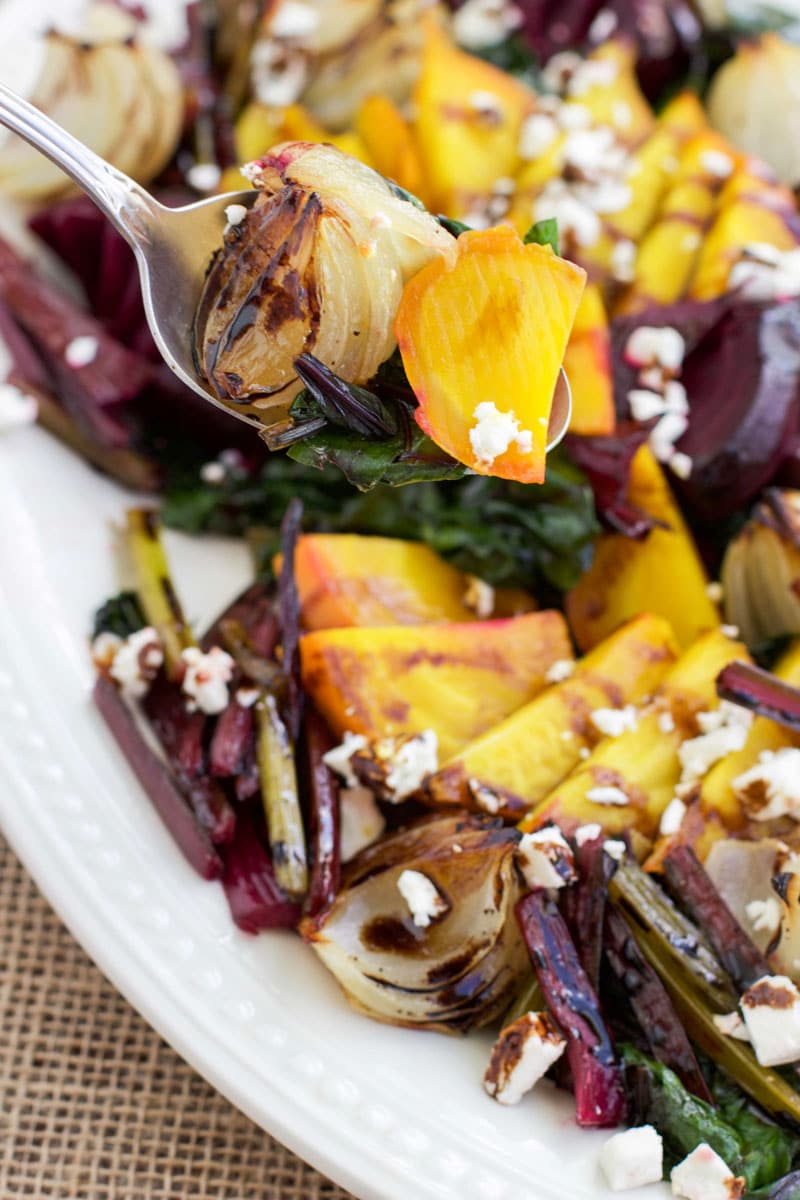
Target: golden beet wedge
[(662, 573), (587, 363), (347, 579), (489, 330), (642, 763), (390, 143), (468, 117), (456, 679), (517, 763)]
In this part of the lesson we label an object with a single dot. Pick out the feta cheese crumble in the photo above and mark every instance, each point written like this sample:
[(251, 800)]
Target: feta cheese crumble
[(560, 670), (235, 214), (651, 345), (771, 788), (479, 596), (422, 897), (717, 163), (587, 833), (545, 858), (666, 722), (203, 177), (575, 218), (703, 1175), (723, 731), (412, 761), (485, 797), (764, 915), (361, 821), (494, 432), (81, 351), (538, 132), (338, 759), (481, 23), (714, 592), (615, 849), (771, 1011), (522, 1054), (613, 722), (16, 408), (645, 404), (672, 817), (212, 473), (137, 661), (607, 795), (632, 1158), (294, 20), (732, 1025), (206, 678)]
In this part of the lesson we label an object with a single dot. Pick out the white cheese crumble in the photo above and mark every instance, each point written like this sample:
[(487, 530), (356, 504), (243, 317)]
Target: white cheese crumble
[(485, 102), (670, 429), (587, 833), (545, 858), (771, 788), (609, 196), (613, 722), (632, 1158), (623, 261), (411, 763), (212, 473), (771, 1011), (645, 405), (672, 817), (603, 25), (246, 697), (104, 647), (361, 821), (731, 1025), (675, 397), (588, 149), (137, 662), (537, 133), (522, 1054), (717, 163), (484, 797), (607, 795), (338, 759), (723, 731), (666, 722), (574, 217), (559, 69), (206, 679), (573, 116), (479, 596), (764, 915), (703, 1175), (235, 214), (615, 849), (81, 351), (714, 592), (560, 670), (591, 73), (279, 76), (294, 20), (651, 345), (494, 432), (762, 276), (730, 631), (621, 114), (16, 408), (203, 177), (680, 464), (481, 23), (422, 897)]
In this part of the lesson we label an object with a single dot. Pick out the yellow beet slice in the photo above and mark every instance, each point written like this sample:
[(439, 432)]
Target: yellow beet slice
[(390, 143), (523, 758), (662, 573), (457, 679), (587, 363), (492, 329)]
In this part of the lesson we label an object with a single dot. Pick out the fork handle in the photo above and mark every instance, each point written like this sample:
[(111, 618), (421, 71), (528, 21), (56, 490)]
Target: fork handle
[(127, 205)]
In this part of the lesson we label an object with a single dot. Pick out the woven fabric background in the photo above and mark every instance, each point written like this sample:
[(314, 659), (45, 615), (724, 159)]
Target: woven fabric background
[(93, 1104)]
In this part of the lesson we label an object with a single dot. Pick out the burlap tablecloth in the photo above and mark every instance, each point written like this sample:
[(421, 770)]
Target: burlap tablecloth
[(93, 1104)]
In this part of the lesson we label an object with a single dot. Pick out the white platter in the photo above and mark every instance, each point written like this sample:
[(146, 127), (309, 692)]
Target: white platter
[(388, 1113)]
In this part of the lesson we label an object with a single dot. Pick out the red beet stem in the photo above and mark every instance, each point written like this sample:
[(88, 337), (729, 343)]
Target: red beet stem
[(651, 1005), (696, 893), (255, 899), (584, 906), (157, 782), (289, 610), (572, 1001), (233, 735), (760, 691), (324, 818)]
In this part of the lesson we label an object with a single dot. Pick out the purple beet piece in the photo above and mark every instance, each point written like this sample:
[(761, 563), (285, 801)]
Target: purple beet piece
[(760, 691), (255, 898), (606, 462), (157, 782), (289, 612), (233, 737), (573, 1003), (323, 788), (94, 394)]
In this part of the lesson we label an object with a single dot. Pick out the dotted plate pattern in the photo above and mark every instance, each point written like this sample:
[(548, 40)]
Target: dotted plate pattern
[(387, 1113)]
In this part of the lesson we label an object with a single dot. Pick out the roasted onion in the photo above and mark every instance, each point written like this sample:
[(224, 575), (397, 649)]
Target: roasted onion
[(761, 570), (318, 264), (459, 972)]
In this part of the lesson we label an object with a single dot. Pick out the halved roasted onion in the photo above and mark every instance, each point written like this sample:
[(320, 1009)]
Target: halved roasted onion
[(761, 570), (318, 264), (459, 972)]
